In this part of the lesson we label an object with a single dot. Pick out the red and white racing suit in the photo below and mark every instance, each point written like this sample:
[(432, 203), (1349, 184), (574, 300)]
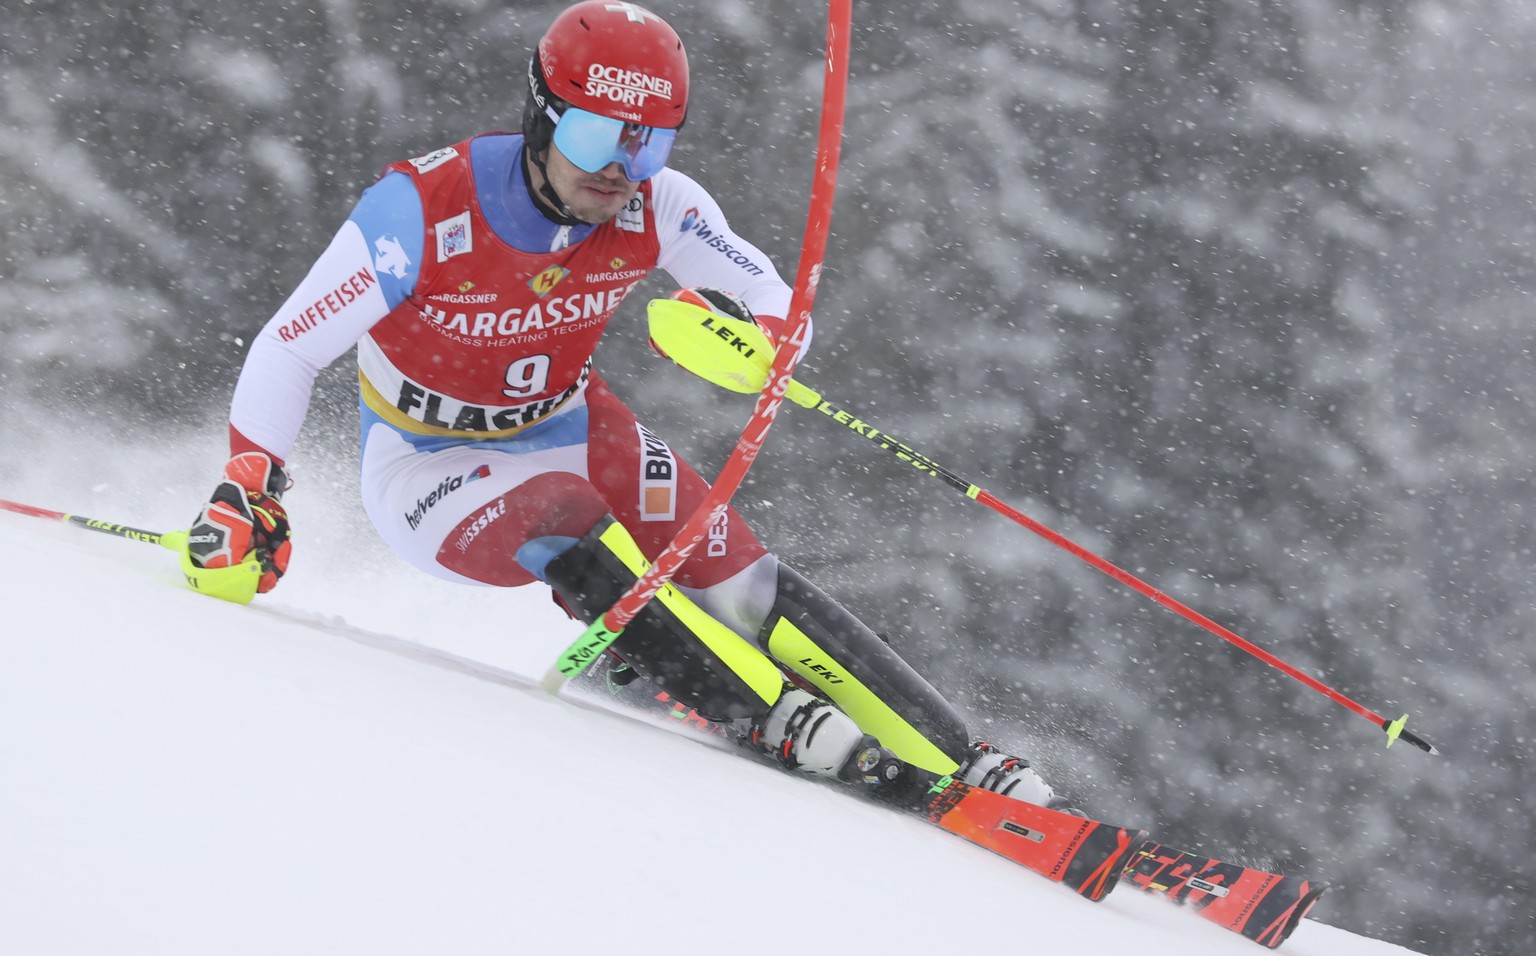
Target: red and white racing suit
[(485, 425)]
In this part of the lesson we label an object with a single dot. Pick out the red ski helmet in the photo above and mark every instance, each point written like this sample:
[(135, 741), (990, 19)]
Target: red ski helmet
[(612, 58)]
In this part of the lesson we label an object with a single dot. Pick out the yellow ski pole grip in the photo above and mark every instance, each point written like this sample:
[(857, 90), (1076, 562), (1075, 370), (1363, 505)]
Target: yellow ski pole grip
[(730, 353), (236, 583)]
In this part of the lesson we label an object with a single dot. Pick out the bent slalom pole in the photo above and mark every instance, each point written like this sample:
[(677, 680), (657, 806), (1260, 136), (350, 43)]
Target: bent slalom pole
[(732, 355), (236, 583), (603, 631)]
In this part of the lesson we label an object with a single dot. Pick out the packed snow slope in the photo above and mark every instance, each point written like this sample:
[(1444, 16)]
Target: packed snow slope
[(350, 765)]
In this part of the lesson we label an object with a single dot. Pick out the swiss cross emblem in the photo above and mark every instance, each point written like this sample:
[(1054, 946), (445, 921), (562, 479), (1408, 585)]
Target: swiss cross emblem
[(633, 13)]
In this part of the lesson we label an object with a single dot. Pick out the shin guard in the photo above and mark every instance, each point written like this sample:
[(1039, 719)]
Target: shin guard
[(845, 661), (673, 643)]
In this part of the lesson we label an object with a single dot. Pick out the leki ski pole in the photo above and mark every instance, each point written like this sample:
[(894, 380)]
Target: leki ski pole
[(172, 541), (735, 356), (236, 583)]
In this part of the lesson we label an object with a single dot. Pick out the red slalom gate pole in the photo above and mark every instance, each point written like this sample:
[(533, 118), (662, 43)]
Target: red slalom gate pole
[(606, 629)]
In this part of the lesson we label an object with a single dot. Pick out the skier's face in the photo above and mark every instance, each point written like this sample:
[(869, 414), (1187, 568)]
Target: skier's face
[(592, 197)]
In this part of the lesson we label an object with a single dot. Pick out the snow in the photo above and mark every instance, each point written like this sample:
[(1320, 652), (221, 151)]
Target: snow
[(356, 764)]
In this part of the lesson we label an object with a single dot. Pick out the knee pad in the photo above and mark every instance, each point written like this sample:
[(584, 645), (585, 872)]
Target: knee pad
[(845, 661), (672, 642)]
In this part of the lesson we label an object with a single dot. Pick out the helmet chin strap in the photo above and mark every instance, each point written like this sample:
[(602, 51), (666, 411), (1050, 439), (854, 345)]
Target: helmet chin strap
[(549, 202)]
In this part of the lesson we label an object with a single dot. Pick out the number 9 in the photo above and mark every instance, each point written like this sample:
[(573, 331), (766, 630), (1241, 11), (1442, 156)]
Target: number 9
[(527, 377)]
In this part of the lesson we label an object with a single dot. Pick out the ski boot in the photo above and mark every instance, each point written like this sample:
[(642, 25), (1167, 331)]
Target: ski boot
[(807, 734), (988, 768)]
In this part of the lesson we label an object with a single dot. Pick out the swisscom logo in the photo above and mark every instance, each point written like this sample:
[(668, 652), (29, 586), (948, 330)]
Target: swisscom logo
[(693, 222)]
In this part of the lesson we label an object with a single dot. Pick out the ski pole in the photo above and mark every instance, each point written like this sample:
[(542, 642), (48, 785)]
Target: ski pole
[(171, 541), (807, 398), (235, 583), (734, 359), (607, 627)]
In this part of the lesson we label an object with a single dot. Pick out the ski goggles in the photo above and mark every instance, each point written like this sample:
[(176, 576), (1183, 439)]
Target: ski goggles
[(591, 142)]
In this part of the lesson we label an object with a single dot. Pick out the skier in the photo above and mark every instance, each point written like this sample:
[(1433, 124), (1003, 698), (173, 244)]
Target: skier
[(475, 282)]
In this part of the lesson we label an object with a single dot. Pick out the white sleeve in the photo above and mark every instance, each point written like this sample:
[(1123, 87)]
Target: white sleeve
[(698, 247), (334, 307)]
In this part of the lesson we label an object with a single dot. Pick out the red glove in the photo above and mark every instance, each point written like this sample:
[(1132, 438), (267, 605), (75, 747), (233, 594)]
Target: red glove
[(244, 516)]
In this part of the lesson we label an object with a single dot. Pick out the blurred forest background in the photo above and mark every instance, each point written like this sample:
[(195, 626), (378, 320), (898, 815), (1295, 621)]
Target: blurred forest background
[(1236, 294)]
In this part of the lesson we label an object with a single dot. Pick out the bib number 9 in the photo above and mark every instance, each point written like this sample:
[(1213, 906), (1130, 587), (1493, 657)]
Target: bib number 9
[(527, 377)]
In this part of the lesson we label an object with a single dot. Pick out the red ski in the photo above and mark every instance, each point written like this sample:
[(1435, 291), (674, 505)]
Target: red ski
[(1264, 907), (1086, 855), (1089, 856)]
